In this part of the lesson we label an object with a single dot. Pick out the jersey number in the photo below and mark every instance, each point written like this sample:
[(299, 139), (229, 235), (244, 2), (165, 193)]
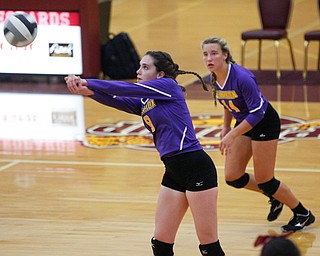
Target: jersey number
[(231, 107), (148, 121)]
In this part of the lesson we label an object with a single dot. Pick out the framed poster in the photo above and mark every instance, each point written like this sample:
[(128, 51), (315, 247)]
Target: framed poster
[(57, 49)]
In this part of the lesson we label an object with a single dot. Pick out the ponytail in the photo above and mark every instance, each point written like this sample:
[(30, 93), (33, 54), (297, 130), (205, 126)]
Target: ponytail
[(183, 72)]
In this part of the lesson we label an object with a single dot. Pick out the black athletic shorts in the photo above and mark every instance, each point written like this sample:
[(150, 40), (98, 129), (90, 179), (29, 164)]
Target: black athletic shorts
[(268, 128), (193, 171)]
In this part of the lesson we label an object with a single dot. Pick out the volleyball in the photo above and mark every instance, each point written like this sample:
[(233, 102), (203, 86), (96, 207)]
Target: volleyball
[(20, 29)]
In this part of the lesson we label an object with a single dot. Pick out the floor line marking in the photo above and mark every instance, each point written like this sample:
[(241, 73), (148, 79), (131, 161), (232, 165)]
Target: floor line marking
[(7, 166), (14, 162)]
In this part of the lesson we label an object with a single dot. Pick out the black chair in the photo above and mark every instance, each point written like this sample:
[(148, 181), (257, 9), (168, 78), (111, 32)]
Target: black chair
[(313, 35), (275, 16)]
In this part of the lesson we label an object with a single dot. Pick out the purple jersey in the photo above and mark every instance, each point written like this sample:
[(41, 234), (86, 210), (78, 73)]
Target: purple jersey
[(162, 106), (241, 95)]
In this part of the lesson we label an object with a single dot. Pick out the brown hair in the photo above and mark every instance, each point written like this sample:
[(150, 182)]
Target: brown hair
[(164, 62)]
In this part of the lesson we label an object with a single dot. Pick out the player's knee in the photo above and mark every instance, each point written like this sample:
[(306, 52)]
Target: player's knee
[(239, 183), (270, 187), (213, 249), (161, 248)]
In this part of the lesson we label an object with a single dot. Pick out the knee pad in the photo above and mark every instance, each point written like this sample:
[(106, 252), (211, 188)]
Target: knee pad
[(161, 248), (270, 187), (213, 249), (239, 183)]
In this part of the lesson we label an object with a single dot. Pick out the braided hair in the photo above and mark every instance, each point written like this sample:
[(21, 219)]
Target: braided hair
[(163, 62), (225, 49)]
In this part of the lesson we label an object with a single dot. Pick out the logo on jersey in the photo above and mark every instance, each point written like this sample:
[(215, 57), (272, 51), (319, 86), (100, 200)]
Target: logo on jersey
[(227, 94), (133, 134), (148, 106)]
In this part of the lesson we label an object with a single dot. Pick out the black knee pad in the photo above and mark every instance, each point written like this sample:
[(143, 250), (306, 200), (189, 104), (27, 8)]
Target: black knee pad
[(161, 248), (213, 249), (239, 183), (270, 187)]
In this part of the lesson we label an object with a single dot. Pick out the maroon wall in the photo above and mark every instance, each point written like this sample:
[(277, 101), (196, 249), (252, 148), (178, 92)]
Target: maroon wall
[(89, 19)]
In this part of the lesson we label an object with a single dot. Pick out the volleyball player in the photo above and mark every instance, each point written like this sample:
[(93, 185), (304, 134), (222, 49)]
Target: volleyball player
[(190, 178), (255, 134)]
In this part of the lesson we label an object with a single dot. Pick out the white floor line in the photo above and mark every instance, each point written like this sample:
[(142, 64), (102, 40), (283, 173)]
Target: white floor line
[(14, 162)]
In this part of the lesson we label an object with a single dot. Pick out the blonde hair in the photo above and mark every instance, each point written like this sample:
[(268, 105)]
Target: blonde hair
[(225, 49)]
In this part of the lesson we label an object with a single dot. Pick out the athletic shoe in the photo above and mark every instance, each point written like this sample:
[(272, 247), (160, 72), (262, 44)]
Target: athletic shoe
[(275, 209), (298, 222)]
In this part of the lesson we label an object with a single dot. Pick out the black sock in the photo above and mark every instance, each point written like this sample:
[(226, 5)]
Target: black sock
[(300, 210)]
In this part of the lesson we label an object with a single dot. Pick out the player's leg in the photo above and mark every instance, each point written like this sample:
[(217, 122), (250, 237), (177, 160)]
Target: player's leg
[(235, 175), (236, 163), (203, 206), (171, 207), (264, 157)]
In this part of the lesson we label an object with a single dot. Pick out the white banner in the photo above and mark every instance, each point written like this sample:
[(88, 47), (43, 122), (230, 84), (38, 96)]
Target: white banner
[(41, 116), (56, 50)]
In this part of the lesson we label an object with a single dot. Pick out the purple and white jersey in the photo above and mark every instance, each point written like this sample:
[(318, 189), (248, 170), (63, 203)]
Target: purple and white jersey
[(241, 95), (162, 106)]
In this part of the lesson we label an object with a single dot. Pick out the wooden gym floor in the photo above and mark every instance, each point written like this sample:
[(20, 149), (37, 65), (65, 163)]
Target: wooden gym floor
[(64, 198)]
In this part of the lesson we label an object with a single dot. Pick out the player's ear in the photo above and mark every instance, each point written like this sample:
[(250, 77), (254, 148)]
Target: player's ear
[(160, 74)]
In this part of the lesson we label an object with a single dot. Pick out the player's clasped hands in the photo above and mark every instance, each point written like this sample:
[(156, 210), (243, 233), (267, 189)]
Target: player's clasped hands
[(77, 85)]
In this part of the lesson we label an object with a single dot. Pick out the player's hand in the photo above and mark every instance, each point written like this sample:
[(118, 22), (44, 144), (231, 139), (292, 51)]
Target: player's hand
[(226, 143), (77, 85), (224, 131)]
